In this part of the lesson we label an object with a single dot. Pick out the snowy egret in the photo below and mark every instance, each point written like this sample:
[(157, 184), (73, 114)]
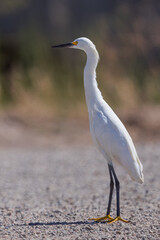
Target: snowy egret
[(108, 132)]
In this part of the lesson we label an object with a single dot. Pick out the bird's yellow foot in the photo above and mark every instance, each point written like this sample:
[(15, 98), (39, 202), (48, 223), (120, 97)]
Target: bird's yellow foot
[(118, 218), (107, 217)]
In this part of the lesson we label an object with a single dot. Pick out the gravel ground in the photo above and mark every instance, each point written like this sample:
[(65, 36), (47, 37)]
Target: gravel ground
[(50, 193)]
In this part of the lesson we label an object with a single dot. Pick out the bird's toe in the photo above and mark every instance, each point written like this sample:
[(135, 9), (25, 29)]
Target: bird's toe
[(118, 218), (105, 218)]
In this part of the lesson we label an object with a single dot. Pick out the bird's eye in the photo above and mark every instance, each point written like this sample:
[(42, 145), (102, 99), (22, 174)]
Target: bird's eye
[(75, 43)]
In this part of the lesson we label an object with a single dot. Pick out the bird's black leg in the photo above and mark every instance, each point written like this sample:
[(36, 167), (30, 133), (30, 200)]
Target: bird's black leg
[(111, 190), (117, 196), (117, 190), (107, 218)]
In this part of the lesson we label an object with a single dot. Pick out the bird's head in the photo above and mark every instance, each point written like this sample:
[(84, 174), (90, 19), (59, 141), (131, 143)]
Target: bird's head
[(87, 46), (79, 43)]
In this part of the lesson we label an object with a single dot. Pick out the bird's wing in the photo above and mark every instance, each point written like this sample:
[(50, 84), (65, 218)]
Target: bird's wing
[(114, 141)]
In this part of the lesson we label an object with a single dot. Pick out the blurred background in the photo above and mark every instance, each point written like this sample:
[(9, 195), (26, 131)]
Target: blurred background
[(40, 87)]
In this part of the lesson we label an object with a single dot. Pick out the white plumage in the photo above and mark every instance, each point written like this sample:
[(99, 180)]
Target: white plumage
[(108, 132)]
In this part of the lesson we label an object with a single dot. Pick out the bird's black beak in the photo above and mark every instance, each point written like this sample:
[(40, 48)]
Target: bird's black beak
[(66, 45)]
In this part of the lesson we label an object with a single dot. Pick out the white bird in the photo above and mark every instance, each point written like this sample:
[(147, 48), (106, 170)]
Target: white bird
[(107, 130)]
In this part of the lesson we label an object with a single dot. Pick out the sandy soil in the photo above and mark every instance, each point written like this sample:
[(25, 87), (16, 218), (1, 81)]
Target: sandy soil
[(50, 193), (52, 179)]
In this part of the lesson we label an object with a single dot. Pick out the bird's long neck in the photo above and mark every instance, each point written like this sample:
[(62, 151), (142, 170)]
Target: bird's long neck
[(92, 92)]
